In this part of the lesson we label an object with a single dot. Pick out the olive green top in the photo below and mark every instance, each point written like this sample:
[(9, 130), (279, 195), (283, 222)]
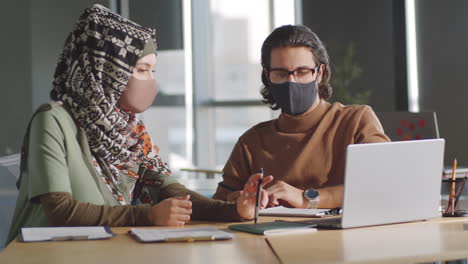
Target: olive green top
[(58, 160)]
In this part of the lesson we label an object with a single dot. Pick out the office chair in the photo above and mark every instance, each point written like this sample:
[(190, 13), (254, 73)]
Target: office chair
[(9, 173), (400, 126)]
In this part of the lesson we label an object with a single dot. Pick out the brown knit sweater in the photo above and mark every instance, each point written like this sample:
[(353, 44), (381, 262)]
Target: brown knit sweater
[(305, 151)]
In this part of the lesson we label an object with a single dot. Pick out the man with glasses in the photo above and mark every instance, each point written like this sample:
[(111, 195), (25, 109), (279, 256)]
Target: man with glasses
[(304, 149)]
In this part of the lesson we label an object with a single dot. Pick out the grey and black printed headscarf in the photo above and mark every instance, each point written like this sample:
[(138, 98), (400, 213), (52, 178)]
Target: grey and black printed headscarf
[(92, 72)]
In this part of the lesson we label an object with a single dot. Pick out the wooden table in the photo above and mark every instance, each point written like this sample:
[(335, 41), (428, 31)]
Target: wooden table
[(244, 248), (438, 239), (416, 242)]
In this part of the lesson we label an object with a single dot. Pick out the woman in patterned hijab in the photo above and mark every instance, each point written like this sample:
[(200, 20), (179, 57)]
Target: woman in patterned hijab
[(87, 159), (98, 60)]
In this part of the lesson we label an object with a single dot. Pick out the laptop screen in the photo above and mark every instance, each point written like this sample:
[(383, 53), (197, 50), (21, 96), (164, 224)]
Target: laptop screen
[(392, 182)]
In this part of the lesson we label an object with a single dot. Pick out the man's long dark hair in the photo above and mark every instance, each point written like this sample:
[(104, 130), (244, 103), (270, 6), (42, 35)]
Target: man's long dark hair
[(295, 36)]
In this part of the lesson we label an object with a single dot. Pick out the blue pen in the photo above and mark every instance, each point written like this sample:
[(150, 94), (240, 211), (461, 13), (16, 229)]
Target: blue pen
[(259, 191)]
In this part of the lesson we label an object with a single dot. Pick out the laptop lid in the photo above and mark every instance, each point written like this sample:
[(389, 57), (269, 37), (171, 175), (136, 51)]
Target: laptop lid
[(392, 182)]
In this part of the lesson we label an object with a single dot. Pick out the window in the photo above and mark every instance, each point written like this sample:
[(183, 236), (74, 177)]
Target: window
[(208, 73), (166, 119)]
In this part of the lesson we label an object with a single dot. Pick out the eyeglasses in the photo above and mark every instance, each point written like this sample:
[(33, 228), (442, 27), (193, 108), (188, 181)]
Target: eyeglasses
[(301, 75)]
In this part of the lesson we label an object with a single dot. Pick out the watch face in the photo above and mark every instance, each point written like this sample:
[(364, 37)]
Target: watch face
[(311, 194)]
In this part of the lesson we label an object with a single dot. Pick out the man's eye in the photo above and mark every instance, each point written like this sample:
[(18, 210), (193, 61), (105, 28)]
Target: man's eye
[(280, 73), (303, 71)]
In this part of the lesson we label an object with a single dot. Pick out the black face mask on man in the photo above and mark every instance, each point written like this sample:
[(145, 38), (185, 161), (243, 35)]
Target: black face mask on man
[(294, 98)]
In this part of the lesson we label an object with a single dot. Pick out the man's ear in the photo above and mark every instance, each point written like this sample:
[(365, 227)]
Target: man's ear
[(321, 69), (320, 73)]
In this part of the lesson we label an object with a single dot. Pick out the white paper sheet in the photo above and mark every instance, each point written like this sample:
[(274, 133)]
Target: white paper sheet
[(284, 211)]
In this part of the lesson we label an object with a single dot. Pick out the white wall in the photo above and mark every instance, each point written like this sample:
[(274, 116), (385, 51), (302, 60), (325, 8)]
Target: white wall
[(369, 24), (51, 22), (15, 74), (32, 35)]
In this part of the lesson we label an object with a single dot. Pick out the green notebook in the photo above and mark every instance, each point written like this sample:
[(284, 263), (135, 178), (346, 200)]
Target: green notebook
[(273, 227)]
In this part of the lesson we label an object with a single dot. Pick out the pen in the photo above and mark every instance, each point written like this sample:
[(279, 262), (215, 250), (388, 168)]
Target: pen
[(259, 191)]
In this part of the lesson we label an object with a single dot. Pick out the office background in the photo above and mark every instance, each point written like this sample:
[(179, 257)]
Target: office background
[(208, 68), (226, 37)]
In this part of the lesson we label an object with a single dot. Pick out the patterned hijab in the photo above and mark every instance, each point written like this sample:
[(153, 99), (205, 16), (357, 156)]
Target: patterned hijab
[(92, 72)]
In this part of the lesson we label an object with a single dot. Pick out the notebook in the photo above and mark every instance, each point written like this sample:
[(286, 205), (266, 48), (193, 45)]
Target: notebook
[(179, 234), (390, 182), (277, 227)]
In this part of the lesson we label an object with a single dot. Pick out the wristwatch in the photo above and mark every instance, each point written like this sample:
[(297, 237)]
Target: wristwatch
[(313, 196)]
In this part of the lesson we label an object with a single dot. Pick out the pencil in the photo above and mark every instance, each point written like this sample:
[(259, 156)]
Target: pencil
[(451, 202), (259, 191)]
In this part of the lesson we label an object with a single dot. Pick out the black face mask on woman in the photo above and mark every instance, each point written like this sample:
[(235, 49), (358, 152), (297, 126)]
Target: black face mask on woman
[(294, 98)]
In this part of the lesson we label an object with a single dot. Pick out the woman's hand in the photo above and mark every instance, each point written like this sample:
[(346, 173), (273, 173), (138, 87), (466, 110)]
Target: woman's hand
[(247, 199), (171, 212)]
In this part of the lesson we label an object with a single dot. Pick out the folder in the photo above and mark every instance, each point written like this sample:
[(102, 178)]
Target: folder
[(38, 234), (277, 227)]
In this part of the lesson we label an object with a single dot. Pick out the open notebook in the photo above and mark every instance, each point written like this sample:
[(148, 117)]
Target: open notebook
[(179, 234)]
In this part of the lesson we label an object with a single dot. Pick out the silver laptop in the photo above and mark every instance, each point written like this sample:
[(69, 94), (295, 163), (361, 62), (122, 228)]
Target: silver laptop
[(391, 182)]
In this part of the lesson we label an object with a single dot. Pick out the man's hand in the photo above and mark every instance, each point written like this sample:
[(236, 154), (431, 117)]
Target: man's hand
[(171, 212), (248, 197), (281, 192)]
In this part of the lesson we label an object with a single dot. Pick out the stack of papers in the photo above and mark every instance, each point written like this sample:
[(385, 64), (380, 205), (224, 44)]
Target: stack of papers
[(299, 212), (179, 234), (35, 234)]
